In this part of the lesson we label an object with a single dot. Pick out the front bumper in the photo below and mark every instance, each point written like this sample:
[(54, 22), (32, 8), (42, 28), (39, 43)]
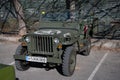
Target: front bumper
[(48, 59)]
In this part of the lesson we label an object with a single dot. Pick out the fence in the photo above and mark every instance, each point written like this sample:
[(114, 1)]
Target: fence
[(110, 31)]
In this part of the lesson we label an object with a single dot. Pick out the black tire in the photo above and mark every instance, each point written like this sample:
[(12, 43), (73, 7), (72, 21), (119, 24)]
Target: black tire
[(20, 64), (87, 44), (69, 61)]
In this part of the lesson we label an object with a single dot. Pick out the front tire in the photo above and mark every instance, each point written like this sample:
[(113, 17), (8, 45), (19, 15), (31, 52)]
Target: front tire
[(20, 64), (69, 61)]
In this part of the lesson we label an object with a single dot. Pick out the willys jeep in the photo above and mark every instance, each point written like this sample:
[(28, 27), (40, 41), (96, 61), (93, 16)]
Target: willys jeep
[(60, 36)]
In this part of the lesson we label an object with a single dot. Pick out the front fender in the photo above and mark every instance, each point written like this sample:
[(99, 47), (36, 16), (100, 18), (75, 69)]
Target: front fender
[(72, 41)]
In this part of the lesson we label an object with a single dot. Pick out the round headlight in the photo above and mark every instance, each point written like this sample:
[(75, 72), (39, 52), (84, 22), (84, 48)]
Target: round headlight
[(27, 39), (56, 40), (67, 38)]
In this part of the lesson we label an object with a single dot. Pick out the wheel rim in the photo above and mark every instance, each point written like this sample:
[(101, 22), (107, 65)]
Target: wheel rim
[(24, 64), (20, 64), (88, 45), (89, 48)]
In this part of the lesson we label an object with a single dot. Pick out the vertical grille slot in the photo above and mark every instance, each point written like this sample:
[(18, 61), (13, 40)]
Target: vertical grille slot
[(41, 43)]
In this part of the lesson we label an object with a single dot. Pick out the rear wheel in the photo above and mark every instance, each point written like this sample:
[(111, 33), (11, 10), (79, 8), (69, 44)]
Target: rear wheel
[(87, 45), (20, 64), (69, 61)]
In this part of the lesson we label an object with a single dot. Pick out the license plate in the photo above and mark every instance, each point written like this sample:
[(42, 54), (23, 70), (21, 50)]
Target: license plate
[(36, 59)]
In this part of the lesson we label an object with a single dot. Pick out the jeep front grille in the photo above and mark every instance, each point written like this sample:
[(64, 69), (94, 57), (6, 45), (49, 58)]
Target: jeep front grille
[(41, 44)]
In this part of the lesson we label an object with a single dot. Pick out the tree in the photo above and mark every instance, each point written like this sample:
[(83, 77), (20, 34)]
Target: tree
[(20, 16)]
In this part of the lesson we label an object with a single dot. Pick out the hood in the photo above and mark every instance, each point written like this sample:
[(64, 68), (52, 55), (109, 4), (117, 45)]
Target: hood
[(58, 32), (47, 32)]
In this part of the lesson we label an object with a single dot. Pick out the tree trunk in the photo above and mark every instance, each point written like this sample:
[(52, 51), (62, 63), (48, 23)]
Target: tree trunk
[(22, 26)]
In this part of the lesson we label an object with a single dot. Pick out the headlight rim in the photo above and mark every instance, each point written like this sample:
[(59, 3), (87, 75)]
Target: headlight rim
[(56, 40), (27, 39)]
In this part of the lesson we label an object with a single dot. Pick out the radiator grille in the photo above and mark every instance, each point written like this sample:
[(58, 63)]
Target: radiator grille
[(41, 43)]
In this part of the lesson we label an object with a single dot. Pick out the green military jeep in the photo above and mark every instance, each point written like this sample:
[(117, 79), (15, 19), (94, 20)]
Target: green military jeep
[(55, 43)]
